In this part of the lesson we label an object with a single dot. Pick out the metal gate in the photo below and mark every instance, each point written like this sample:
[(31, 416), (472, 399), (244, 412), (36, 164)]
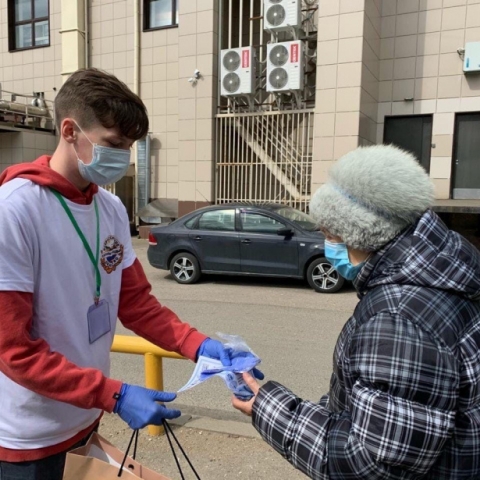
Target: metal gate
[(264, 157)]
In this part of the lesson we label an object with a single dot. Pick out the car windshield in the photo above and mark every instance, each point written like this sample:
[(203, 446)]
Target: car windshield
[(299, 218)]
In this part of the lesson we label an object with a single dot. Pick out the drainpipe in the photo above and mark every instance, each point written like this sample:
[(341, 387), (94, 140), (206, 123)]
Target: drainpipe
[(136, 47), (136, 89), (86, 35), (220, 45)]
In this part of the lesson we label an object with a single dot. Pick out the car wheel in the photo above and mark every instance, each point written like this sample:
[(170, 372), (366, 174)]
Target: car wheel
[(323, 278), (185, 268)]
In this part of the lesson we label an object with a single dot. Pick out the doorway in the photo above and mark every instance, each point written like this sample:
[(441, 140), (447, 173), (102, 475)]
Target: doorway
[(466, 157), (412, 133)]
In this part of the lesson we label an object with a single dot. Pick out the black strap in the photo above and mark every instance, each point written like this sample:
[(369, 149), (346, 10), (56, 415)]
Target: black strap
[(134, 437), (168, 432), (173, 450)]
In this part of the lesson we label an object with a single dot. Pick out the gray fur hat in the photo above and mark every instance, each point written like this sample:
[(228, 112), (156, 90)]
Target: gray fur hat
[(373, 193)]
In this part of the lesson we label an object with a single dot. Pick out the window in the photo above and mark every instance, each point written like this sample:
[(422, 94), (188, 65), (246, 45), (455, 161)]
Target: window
[(160, 14), (299, 218), (218, 220), (257, 223), (191, 223), (28, 24)]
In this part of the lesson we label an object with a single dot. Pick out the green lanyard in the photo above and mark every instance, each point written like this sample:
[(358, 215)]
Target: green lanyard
[(94, 260)]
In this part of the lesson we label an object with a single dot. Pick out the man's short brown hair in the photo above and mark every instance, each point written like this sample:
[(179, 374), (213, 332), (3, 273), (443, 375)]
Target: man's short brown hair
[(92, 96)]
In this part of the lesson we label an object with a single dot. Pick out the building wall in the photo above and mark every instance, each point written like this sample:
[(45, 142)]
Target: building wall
[(181, 114), (371, 55), (112, 49), (21, 147), (35, 70), (198, 49), (370, 72), (394, 57), (340, 68), (419, 60), (25, 72)]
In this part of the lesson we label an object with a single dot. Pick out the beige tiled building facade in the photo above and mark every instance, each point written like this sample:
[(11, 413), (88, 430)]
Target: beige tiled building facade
[(375, 71)]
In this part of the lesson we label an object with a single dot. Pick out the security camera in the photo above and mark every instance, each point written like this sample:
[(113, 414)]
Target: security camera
[(196, 73)]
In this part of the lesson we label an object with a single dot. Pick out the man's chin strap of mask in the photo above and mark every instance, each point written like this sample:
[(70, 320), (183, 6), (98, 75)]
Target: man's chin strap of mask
[(337, 255), (108, 165)]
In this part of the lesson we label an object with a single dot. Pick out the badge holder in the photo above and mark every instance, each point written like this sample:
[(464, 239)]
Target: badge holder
[(98, 317)]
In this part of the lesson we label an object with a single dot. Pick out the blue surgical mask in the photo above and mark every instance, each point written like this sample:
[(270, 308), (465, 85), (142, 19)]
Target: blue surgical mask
[(337, 255), (108, 165)]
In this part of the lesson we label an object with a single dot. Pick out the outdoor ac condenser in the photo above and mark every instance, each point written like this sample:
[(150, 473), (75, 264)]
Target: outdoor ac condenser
[(238, 71), (281, 14), (471, 62), (285, 66)]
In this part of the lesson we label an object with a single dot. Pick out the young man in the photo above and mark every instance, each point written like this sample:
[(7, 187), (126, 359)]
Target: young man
[(404, 398), (67, 270)]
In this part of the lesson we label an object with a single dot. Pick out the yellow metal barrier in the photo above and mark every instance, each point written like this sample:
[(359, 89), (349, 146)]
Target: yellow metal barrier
[(153, 363)]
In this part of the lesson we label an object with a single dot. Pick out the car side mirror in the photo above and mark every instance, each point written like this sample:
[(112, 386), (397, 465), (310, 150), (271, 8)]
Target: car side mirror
[(285, 232)]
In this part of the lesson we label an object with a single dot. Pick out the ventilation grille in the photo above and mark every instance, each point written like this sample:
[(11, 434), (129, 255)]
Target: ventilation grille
[(278, 78), (276, 15), (231, 82)]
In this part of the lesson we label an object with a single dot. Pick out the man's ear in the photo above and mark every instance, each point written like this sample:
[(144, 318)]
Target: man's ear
[(68, 130)]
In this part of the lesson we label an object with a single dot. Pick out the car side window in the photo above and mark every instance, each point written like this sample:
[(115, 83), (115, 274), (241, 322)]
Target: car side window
[(258, 223), (219, 220), (191, 223)]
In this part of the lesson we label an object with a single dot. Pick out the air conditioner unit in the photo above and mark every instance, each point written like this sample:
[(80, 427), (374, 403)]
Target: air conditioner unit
[(285, 66), (282, 14), (471, 62), (237, 70)]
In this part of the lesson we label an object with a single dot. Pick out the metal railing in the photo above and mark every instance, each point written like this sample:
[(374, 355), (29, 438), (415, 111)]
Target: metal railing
[(19, 112), (264, 157), (153, 363)]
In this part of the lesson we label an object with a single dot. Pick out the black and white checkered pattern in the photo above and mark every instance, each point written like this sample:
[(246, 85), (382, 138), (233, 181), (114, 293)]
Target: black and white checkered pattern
[(404, 399)]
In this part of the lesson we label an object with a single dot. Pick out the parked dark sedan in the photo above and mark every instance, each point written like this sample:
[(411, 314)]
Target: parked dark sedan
[(244, 239)]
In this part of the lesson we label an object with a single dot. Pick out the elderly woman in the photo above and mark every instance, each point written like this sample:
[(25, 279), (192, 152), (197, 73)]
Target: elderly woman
[(404, 399)]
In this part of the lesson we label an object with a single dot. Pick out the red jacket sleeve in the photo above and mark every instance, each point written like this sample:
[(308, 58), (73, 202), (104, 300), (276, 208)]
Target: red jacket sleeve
[(141, 312), (32, 364)]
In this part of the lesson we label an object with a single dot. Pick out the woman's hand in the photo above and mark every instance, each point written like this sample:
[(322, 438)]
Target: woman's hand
[(246, 407)]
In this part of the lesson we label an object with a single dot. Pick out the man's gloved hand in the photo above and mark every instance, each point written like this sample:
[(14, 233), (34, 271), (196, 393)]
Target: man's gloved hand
[(138, 406), (214, 349)]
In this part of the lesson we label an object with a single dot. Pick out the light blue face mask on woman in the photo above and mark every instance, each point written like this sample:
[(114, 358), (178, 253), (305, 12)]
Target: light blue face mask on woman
[(337, 255), (108, 165)]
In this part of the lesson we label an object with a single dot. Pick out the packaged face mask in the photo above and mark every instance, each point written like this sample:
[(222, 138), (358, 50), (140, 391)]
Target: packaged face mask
[(207, 368), (243, 360)]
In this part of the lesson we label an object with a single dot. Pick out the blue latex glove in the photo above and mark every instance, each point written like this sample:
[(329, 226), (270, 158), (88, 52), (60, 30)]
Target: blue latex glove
[(214, 349), (138, 406)]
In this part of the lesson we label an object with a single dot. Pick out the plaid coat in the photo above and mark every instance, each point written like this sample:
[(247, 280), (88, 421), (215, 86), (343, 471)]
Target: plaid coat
[(404, 399)]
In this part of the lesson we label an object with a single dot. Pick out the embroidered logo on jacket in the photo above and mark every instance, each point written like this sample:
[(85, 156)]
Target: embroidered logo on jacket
[(112, 254)]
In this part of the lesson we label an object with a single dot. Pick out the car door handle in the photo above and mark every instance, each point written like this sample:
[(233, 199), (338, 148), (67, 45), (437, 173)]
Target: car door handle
[(198, 238), (247, 241)]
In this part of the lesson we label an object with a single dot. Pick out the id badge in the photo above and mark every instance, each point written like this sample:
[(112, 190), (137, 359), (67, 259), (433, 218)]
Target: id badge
[(98, 321)]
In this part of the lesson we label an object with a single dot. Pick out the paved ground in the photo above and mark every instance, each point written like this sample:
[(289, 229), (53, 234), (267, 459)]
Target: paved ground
[(214, 455), (292, 329)]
